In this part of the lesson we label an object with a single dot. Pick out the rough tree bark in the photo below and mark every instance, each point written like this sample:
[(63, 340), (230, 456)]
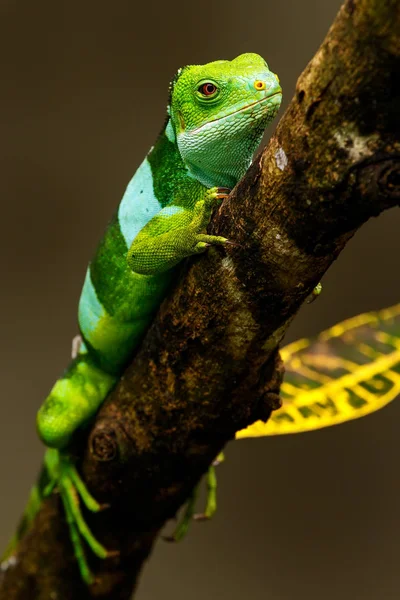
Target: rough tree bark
[(209, 364)]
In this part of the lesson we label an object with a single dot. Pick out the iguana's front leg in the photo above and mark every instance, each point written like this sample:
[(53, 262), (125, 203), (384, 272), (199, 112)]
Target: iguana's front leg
[(175, 233)]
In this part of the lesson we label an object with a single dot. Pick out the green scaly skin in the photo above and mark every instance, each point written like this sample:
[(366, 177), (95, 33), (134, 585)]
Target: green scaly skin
[(217, 115)]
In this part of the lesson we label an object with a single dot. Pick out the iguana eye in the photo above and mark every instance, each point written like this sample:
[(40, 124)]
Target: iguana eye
[(207, 89)]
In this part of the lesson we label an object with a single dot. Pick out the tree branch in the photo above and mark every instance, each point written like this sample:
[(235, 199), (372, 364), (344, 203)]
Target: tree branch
[(209, 366)]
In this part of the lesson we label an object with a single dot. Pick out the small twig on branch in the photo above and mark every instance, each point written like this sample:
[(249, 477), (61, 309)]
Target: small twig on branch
[(208, 366)]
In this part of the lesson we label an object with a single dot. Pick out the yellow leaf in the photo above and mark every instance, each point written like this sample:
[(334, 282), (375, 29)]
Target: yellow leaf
[(347, 372)]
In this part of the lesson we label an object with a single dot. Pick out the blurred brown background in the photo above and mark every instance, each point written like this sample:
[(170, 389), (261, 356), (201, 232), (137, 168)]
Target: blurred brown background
[(84, 89)]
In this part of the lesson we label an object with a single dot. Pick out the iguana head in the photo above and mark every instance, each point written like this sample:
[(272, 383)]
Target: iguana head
[(218, 114)]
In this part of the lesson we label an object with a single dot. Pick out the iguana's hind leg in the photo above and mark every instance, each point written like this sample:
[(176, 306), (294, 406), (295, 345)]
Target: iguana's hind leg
[(71, 403), (183, 526), (63, 474), (211, 503)]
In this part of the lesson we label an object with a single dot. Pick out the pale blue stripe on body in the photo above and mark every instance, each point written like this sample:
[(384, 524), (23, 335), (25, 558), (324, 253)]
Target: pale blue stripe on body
[(139, 203), (138, 206), (91, 311)]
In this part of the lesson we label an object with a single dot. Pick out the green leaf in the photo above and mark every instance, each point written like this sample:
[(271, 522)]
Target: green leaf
[(347, 372)]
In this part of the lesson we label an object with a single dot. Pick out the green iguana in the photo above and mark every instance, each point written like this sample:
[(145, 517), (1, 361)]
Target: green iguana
[(216, 117)]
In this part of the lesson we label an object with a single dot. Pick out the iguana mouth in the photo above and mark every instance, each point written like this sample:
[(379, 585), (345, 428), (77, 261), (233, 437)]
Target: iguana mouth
[(239, 110)]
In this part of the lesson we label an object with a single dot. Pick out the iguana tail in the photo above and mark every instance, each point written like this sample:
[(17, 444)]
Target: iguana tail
[(31, 509)]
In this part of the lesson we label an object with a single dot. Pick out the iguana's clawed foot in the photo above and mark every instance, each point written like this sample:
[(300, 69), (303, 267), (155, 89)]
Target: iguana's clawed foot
[(315, 293), (203, 208), (183, 526), (215, 195), (66, 480), (204, 241), (211, 504), (201, 218)]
